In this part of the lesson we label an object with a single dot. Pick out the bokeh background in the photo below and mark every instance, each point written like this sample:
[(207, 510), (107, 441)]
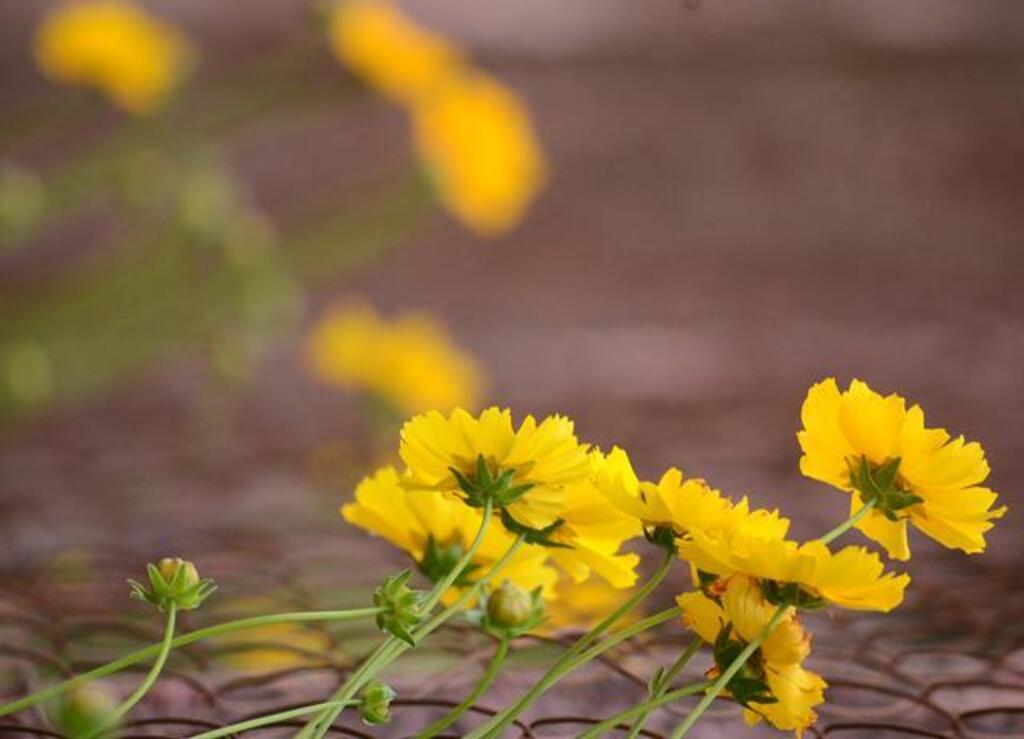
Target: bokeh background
[(743, 198)]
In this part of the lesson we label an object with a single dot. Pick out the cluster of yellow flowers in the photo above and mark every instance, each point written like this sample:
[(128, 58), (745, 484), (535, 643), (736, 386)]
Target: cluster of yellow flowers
[(409, 363), (116, 47), (576, 508), (473, 135)]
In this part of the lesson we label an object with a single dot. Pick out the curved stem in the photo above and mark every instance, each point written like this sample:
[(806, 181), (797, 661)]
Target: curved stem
[(483, 684), (659, 688), (185, 639), (270, 718), (642, 709), (154, 672), (391, 647), (730, 671), (498, 723), (847, 524)]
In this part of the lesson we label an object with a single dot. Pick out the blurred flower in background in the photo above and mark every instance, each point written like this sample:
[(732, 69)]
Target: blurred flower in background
[(582, 605), (135, 59), (409, 363), (473, 134)]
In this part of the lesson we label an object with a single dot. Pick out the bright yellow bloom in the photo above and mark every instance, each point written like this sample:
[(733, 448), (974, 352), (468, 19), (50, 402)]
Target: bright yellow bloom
[(778, 661), (545, 456), (852, 578), (593, 531), (679, 503), (134, 58), (410, 363), (842, 428), (475, 138), (436, 529), (583, 605), (390, 51)]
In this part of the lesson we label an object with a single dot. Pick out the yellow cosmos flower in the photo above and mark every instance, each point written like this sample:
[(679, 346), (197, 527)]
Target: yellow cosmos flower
[(116, 47), (537, 461), (582, 605), (778, 662), (410, 363), (435, 530), (478, 144), (938, 480), (390, 51), (852, 578)]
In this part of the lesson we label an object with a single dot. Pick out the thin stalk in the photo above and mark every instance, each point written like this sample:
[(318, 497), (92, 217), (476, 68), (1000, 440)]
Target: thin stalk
[(502, 720), (730, 671), (389, 649), (847, 524), (618, 637), (255, 723), (185, 639), (665, 681), (154, 672), (642, 709), (482, 686)]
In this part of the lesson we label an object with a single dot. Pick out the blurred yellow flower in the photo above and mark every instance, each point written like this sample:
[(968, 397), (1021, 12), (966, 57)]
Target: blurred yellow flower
[(117, 47), (582, 605), (478, 144), (537, 461), (409, 363), (389, 50), (778, 662), (435, 529), (273, 647), (851, 578), (937, 480)]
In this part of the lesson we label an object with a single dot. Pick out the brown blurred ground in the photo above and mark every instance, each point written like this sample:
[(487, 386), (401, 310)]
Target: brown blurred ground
[(740, 204)]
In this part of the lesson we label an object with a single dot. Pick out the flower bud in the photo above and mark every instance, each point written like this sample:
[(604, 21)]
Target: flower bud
[(85, 710), (509, 606), (173, 581), (400, 606), (375, 707)]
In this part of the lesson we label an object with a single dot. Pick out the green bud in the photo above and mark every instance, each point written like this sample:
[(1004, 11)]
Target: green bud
[(401, 606), (173, 581), (84, 710), (509, 606), (375, 707)]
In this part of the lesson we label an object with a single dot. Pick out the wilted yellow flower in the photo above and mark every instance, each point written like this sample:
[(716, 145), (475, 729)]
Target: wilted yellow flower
[(478, 144), (436, 529), (389, 50), (134, 58), (778, 662), (585, 604), (410, 363), (535, 463), (926, 477), (852, 578)]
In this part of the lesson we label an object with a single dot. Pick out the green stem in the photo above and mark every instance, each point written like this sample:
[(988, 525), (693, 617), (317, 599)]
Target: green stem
[(498, 723), (614, 640), (255, 723), (664, 681), (483, 684), (390, 648), (211, 631), (847, 524), (642, 709), (730, 671), (154, 672)]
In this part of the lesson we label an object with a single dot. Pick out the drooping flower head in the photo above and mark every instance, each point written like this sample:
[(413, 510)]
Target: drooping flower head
[(773, 685), (881, 451), (410, 362), (435, 530), (134, 58)]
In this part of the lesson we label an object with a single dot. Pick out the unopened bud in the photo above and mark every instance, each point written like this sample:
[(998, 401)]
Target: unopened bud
[(375, 707), (509, 606), (173, 581), (86, 711)]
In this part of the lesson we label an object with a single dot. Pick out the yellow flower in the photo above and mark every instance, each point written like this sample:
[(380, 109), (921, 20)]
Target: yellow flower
[(583, 605), (436, 529), (852, 578), (390, 51), (777, 662), (937, 485), (478, 144), (593, 531), (116, 47), (538, 461), (271, 646), (410, 363)]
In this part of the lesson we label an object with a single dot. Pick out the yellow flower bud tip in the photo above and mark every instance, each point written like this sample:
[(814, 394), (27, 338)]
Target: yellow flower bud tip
[(173, 581), (509, 606), (170, 566)]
